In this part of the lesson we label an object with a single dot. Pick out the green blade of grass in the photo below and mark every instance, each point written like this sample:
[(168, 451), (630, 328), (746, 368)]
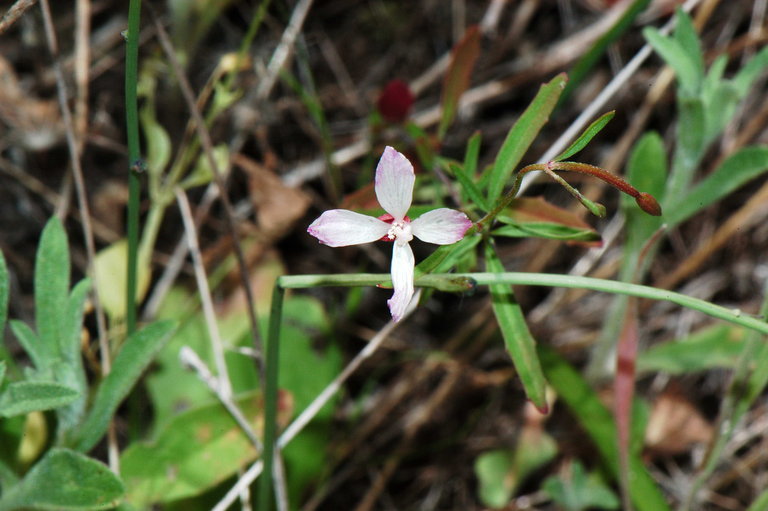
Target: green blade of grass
[(522, 134), (517, 337)]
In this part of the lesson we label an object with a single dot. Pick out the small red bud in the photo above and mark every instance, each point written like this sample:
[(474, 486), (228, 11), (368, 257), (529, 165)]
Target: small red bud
[(395, 101), (648, 204)]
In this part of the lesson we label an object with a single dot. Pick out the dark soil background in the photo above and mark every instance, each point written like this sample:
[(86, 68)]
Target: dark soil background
[(443, 390)]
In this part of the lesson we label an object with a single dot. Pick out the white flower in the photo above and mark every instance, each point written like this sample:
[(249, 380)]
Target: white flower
[(394, 190)]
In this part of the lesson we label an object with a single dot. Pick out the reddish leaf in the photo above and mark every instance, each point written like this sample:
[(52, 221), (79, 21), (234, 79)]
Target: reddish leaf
[(456, 81)]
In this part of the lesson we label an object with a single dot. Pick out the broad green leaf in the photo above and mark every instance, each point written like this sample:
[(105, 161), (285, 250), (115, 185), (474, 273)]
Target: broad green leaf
[(138, 351), (597, 421), (719, 109), (110, 268), (65, 480), (647, 171), (158, 143), (3, 293), (196, 450), (588, 134), (685, 34), (51, 288), (463, 60), (738, 169), (718, 346), (578, 492), (587, 61), (677, 58), (500, 472), (29, 396), (522, 134), (518, 339)]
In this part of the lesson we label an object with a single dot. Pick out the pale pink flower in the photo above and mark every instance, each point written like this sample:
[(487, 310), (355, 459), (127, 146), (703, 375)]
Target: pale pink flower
[(394, 190)]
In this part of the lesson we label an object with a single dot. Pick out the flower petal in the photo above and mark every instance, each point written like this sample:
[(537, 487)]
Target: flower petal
[(402, 280), (341, 227), (394, 183), (441, 226)]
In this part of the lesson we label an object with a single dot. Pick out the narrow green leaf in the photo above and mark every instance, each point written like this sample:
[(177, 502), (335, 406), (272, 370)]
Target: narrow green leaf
[(3, 293), (51, 288), (523, 133), (463, 60), (468, 186), (691, 132), (739, 168), (2, 372), (685, 34), (675, 57), (29, 396), (31, 344), (518, 339), (588, 134), (65, 480), (587, 61), (547, 231), (597, 421), (138, 351), (760, 503), (472, 155)]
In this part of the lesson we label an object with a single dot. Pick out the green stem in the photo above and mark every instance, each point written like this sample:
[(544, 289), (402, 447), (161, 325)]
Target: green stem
[(270, 395), (535, 279), (134, 157)]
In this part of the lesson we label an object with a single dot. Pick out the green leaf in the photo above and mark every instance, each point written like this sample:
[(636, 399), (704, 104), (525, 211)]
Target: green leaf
[(31, 344), (51, 289), (718, 346), (29, 396), (750, 72), (2, 372), (760, 503), (111, 277), (677, 58), (598, 422), (457, 77), (546, 230), (578, 492), (685, 34), (196, 450), (522, 134), (468, 186), (587, 61), (138, 351), (500, 472), (3, 293), (65, 480), (472, 154), (738, 169), (647, 171), (518, 339), (691, 130), (588, 134)]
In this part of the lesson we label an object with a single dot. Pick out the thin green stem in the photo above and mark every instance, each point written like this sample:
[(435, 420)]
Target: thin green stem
[(536, 279), (270, 395), (134, 159)]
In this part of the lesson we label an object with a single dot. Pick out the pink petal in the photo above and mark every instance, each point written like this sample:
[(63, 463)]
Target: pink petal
[(402, 280), (394, 183), (341, 227), (441, 226)]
